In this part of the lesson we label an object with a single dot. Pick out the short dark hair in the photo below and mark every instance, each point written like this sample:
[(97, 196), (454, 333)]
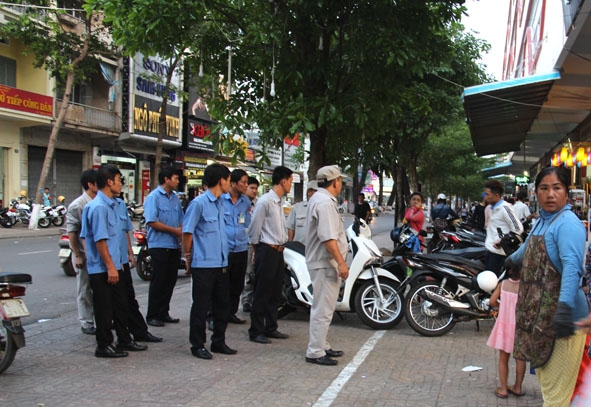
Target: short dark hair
[(280, 173), (417, 194), (104, 173), (214, 173), (168, 172), (495, 186), (88, 177), (253, 180), (562, 173), (237, 175), (326, 184), (521, 196)]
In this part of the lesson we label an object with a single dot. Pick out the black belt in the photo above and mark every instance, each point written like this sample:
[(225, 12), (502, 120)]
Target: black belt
[(277, 247)]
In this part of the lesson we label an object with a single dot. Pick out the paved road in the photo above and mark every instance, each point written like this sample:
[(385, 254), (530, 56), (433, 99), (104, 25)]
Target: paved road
[(380, 368)]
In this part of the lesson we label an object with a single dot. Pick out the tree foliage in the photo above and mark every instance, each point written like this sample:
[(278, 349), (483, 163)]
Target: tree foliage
[(69, 49)]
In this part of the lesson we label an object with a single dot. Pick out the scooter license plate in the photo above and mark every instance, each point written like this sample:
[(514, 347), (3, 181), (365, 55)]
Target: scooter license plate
[(64, 252), (14, 308), (136, 250)]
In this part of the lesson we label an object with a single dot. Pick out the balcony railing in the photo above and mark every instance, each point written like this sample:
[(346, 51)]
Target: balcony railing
[(91, 117)]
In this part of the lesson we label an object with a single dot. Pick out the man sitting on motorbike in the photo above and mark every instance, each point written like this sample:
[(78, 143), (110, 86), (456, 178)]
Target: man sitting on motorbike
[(441, 211)]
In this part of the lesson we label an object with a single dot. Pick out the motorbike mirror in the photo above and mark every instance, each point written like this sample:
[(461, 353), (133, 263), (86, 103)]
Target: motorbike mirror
[(423, 233)]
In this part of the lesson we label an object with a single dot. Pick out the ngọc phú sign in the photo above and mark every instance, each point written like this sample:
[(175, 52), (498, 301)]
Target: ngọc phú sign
[(23, 101)]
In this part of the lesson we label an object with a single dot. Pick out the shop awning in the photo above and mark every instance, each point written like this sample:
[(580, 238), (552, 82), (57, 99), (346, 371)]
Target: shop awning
[(500, 114), (531, 116)]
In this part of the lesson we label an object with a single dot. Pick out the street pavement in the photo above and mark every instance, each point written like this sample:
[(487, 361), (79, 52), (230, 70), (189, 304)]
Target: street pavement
[(380, 368)]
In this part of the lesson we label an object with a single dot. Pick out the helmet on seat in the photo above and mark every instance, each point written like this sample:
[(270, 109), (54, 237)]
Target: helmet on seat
[(441, 196), (61, 198), (487, 281), (22, 193)]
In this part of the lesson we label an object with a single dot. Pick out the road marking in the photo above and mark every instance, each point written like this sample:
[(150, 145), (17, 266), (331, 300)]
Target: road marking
[(40, 251), (332, 391)]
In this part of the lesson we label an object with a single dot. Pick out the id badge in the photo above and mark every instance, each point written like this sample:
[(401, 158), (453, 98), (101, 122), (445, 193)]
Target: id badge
[(241, 218)]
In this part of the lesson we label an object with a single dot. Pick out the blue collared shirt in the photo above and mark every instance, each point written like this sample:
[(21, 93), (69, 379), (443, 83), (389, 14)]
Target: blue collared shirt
[(162, 207), (124, 226), (237, 218), (99, 222), (204, 219)]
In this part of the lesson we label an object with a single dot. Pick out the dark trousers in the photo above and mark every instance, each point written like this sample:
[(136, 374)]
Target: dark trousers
[(268, 271), (237, 263), (210, 289), (110, 309), (494, 262), (165, 269), (136, 323)]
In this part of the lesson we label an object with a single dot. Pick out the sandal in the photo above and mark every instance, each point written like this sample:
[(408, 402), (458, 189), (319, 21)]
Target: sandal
[(511, 391), (500, 395)]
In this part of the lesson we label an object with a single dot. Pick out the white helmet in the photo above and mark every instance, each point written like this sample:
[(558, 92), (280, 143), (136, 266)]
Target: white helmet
[(441, 196), (487, 281)]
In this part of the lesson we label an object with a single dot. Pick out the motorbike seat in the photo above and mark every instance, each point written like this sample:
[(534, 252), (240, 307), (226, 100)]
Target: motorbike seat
[(453, 259), (466, 252), (7, 278), (296, 247)]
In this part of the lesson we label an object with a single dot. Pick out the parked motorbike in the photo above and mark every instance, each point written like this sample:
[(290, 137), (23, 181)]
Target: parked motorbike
[(12, 309), (134, 210), (22, 211), (7, 217), (59, 217), (370, 291), (143, 260), (65, 255), (448, 289)]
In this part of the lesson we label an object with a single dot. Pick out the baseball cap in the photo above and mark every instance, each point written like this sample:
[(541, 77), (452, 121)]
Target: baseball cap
[(313, 185), (328, 173)]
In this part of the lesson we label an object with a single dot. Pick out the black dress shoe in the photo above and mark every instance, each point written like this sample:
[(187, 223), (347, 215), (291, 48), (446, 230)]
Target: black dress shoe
[(225, 349), (235, 320), (148, 337), (260, 339), (131, 346), (91, 330), (324, 361), (155, 322), (109, 352), (171, 320), (276, 335), (201, 353), (334, 353)]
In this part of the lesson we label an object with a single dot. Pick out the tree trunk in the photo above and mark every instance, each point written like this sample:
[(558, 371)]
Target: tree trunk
[(399, 213), (317, 152), (162, 125), (381, 188), (413, 181)]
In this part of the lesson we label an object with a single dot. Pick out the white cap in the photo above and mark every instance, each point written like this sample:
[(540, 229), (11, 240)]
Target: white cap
[(328, 173), (313, 185), (441, 196)]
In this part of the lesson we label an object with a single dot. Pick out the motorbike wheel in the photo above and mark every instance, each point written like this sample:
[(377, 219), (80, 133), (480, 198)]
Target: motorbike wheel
[(44, 222), (68, 268), (423, 316), (6, 222), (58, 221), (374, 314), (7, 348), (144, 266)]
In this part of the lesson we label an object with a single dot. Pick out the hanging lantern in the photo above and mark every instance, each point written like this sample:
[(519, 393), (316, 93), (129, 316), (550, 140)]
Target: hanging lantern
[(563, 154), (569, 160), (555, 160), (580, 154)]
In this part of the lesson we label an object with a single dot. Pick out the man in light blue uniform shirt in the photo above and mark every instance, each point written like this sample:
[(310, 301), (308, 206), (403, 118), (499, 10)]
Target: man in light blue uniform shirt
[(206, 250), (103, 254), (237, 216), (164, 218), (136, 322)]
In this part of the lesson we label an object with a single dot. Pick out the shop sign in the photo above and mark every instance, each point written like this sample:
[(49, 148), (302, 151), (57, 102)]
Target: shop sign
[(150, 78), (146, 119), (522, 180), (197, 133), (23, 101)]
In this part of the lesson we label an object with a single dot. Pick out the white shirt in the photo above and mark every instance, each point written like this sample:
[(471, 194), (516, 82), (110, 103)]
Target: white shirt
[(501, 216), (521, 210)]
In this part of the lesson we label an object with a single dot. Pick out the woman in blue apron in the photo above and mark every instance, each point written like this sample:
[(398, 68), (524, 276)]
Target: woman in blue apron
[(551, 299)]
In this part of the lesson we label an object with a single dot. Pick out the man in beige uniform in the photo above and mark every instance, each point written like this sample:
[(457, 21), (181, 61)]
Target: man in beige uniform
[(326, 249), (296, 221)]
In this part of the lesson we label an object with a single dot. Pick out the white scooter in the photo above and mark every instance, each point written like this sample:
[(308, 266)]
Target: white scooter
[(370, 290)]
